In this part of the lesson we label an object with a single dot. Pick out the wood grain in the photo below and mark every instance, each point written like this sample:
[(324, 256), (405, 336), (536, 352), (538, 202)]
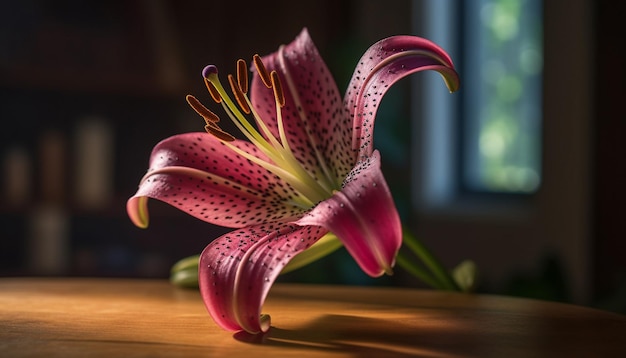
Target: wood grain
[(150, 318)]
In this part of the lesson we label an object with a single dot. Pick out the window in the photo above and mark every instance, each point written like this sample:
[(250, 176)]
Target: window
[(492, 128), (519, 124), (501, 66)]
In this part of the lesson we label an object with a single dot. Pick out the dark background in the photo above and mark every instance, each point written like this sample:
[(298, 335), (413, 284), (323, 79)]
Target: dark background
[(131, 63)]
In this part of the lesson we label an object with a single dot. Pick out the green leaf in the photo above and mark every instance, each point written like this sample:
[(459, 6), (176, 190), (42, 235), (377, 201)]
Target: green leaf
[(184, 273)]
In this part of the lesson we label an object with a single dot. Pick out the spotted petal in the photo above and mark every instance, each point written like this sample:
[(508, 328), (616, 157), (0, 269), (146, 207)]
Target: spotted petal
[(383, 64), (317, 126), (200, 175), (237, 270), (363, 216)]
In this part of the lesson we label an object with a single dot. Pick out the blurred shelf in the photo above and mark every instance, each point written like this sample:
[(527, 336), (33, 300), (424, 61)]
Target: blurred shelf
[(89, 82)]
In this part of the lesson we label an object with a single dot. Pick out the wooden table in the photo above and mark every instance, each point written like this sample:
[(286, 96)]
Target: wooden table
[(150, 318)]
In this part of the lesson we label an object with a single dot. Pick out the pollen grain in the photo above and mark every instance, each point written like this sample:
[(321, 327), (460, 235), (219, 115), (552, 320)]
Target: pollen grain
[(202, 110), (278, 89), (239, 95), (260, 68), (242, 75), (216, 131), (213, 91)]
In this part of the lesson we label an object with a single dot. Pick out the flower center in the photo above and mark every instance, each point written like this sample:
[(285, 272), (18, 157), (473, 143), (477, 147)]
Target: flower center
[(281, 160)]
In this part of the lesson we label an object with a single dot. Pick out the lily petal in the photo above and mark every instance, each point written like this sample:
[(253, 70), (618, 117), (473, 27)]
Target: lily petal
[(317, 126), (364, 217), (237, 270), (383, 64), (200, 175)]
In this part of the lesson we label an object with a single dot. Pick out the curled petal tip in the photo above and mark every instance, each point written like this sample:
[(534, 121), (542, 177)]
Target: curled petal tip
[(209, 70), (137, 209), (265, 322), (451, 78)]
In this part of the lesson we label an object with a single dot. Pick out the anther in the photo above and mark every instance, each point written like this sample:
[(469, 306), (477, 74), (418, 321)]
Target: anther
[(278, 89), (260, 68), (201, 109), (216, 131), (213, 91), (242, 75), (239, 96)]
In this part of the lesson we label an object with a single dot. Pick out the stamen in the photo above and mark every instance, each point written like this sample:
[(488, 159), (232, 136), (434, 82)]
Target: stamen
[(215, 130), (278, 89), (239, 96), (242, 75), (260, 68), (280, 160), (213, 91), (201, 109)]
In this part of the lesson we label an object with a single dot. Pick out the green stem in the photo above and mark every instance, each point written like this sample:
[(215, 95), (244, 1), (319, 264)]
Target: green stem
[(406, 263), (439, 271)]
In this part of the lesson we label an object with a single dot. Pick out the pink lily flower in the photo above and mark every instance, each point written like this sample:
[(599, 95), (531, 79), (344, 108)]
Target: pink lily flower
[(306, 170)]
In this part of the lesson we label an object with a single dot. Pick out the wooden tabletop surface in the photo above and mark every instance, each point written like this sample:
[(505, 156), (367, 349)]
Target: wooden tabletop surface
[(48, 317)]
